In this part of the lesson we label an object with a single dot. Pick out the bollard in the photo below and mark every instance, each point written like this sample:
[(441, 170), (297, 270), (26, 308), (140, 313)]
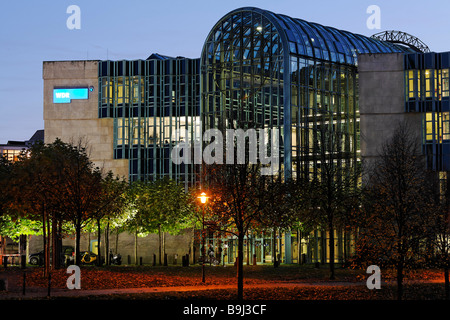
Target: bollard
[(3, 284), (187, 260), (129, 259), (154, 259), (24, 282), (5, 261), (49, 283), (165, 259), (140, 261), (183, 261)]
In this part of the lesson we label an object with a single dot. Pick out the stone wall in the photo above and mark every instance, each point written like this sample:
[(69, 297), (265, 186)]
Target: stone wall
[(79, 119), (382, 102), (147, 246)]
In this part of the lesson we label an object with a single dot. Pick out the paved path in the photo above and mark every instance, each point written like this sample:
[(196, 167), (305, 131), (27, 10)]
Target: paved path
[(15, 290), (17, 293)]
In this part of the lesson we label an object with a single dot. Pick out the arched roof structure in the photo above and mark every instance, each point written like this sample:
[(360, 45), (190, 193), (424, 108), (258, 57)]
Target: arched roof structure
[(305, 38), (265, 70)]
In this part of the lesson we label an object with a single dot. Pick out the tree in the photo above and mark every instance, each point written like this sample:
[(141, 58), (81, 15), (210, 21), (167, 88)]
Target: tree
[(135, 213), (81, 189), (334, 192), (396, 203), (111, 201), (233, 203), (15, 226), (278, 208), (437, 249), (33, 190), (163, 207)]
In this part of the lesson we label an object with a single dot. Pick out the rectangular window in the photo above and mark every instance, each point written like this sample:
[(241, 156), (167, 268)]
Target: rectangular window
[(428, 83), (118, 90), (411, 84), (445, 82), (437, 126)]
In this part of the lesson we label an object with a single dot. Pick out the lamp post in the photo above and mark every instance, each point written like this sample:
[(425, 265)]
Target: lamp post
[(203, 198)]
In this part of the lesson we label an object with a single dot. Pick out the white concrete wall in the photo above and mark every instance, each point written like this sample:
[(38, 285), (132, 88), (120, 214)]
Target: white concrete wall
[(79, 118)]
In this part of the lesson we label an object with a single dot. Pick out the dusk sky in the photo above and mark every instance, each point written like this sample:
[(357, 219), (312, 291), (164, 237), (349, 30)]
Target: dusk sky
[(35, 31)]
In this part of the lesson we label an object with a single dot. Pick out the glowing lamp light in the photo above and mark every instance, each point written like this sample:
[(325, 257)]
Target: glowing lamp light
[(203, 197)]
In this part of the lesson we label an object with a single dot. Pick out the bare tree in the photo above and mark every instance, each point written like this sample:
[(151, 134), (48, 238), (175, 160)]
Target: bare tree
[(396, 204), (437, 250), (334, 192), (233, 191)]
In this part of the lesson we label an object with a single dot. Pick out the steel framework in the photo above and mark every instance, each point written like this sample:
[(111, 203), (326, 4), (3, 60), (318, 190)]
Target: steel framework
[(399, 37)]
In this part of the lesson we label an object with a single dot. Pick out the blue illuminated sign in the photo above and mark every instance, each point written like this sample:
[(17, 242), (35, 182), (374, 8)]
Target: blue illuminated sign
[(68, 94)]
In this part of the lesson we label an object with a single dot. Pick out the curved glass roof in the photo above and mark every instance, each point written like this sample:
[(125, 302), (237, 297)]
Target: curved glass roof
[(322, 42)]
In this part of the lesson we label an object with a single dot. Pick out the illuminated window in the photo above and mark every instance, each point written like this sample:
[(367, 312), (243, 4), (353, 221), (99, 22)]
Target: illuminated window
[(437, 126), (411, 84), (428, 83), (445, 81)]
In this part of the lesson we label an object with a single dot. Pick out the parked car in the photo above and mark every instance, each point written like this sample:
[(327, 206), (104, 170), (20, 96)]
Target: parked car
[(67, 256)]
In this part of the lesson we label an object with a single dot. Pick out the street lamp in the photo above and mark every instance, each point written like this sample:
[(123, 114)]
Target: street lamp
[(203, 198)]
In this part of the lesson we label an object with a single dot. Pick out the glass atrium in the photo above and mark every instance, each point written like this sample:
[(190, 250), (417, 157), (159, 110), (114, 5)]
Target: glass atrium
[(266, 70)]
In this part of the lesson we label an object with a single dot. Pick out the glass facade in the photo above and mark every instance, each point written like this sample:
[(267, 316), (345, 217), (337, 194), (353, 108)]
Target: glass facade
[(155, 104), (427, 92), (266, 70)]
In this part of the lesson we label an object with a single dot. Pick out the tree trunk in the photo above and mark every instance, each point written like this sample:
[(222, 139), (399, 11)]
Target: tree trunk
[(117, 240), (345, 247), (400, 281), (164, 245), (331, 232), (54, 252), (107, 260), (47, 249), (447, 283), (191, 247), (99, 252), (160, 244), (240, 265), (44, 238), (136, 248), (274, 249), (77, 244)]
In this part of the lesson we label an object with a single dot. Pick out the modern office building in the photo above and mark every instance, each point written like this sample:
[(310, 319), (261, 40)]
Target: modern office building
[(257, 69), (153, 102), (411, 87), (12, 149)]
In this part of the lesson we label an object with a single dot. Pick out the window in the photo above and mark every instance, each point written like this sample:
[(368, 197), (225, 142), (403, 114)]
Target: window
[(437, 126), (445, 81), (411, 82)]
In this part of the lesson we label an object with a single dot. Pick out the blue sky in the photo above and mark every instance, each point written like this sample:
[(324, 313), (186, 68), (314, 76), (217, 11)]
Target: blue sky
[(35, 31)]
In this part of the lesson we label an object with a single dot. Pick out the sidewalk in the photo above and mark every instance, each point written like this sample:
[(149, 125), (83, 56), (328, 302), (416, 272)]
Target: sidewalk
[(32, 293)]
